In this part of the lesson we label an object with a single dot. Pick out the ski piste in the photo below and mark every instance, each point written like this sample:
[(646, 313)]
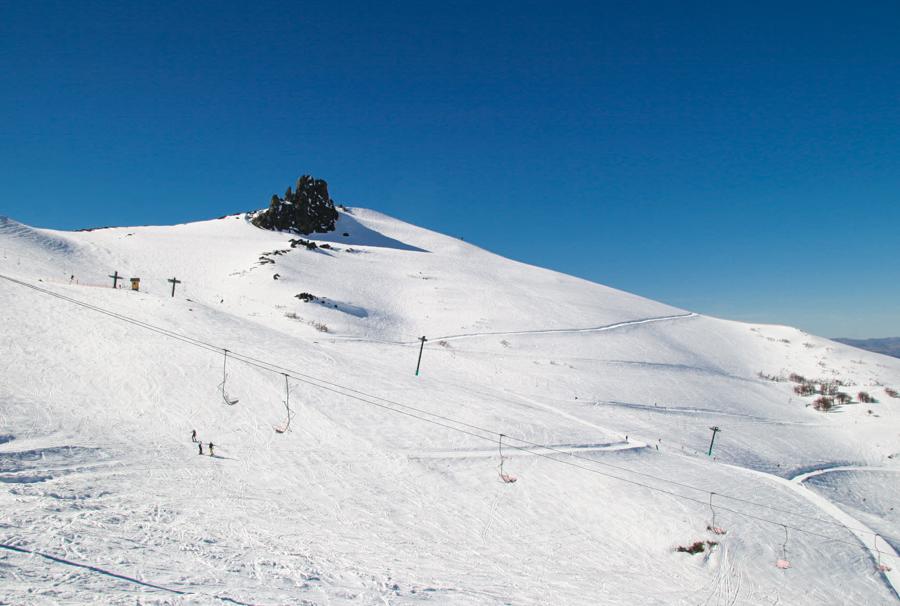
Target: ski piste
[(604, 400)]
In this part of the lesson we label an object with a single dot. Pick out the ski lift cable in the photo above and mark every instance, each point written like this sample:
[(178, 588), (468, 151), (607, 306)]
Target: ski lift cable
[(228, 400), (287, 404), (879, 566), (267, 366), (713, 527), (264, 365), (507, 478), (783, 563), (315, 381), (320, 382)]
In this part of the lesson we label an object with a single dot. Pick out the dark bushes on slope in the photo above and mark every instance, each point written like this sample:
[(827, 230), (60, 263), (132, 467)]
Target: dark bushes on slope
[(804, 389), (823, 403), (696, 547)]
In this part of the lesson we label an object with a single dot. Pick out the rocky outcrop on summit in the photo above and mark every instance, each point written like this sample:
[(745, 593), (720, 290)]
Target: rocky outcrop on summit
[(305, 210)]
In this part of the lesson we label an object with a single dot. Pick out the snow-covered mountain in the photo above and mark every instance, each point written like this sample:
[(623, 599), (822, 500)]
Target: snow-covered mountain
[(889, 346), (383, 487)]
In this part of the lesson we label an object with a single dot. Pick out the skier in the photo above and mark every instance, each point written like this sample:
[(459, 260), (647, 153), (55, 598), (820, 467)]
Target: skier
[(200, 446), (211, 449), (193, 435)]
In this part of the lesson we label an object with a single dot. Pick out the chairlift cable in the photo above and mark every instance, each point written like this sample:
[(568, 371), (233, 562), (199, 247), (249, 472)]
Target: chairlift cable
[(321, 384)]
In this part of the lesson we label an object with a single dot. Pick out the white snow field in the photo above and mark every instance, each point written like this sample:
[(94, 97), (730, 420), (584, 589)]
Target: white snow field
[(385, 486)]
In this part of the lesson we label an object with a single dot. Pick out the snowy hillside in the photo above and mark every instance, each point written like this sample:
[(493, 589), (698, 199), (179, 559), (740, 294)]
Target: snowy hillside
[(384, 486)]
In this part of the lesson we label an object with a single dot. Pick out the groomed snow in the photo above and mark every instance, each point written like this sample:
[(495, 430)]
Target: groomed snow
[(104, 499)]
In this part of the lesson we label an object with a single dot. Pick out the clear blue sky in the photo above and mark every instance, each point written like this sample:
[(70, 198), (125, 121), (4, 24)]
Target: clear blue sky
[(741, 160)]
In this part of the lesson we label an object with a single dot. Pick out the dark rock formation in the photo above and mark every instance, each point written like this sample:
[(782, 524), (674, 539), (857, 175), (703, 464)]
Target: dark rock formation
[(305, 210)]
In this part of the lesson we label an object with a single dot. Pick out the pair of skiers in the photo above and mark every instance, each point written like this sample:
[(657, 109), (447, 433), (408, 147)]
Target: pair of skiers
[(200, 444)]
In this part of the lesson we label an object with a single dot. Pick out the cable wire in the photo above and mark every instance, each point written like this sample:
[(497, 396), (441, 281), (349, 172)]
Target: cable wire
[(482, 432)]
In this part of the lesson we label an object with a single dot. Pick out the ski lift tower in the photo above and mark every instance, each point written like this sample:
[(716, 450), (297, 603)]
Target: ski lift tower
[(715, 429)]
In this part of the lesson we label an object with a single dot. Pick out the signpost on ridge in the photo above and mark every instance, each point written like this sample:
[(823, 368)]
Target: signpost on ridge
[(115, 277), (421, 347), (174, 281), (715, 430)]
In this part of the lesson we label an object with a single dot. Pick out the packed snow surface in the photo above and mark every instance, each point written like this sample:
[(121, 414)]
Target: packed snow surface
[(383, 487)]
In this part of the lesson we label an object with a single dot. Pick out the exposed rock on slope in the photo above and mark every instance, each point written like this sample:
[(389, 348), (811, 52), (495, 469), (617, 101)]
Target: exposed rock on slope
[(305, 210)]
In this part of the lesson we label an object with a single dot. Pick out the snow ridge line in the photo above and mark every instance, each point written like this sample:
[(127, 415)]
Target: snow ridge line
[(799, 479), (551, 331), (539, 331)]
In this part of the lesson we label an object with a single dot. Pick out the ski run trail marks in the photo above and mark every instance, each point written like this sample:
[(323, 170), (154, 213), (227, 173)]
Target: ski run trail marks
[(386, 487)]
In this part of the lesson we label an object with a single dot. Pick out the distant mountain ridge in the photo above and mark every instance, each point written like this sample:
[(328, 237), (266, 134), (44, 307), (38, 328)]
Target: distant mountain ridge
[(889, 346)]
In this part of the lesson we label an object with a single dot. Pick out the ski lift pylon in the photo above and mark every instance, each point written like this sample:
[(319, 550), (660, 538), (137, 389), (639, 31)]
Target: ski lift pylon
[(712, 527), (783, 563), (228, 400), (507, 478), (287, 404)]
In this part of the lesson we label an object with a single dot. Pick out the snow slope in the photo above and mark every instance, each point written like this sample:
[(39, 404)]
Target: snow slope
[(103, 497)]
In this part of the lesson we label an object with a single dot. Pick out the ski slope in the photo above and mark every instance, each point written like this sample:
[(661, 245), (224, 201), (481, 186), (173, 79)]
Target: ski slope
[(385, 488)]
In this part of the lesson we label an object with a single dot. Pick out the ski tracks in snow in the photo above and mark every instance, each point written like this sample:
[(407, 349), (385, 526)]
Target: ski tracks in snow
[(861, 531), (523, 451), (539, 331), (556, 331), (728, 582)]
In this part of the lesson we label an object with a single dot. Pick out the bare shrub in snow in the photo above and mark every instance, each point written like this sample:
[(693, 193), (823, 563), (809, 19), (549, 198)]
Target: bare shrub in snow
[(891, 392), (805, 389), (767, 377), (828, 389), (842, 398), (696, 547), (823, 403), (320, 326), (865, 398), (795, 378)]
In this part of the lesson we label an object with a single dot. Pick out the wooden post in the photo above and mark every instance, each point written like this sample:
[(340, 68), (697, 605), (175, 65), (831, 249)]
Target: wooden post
[(421, 347), (174, 281), (116, 277), (715, 430)]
